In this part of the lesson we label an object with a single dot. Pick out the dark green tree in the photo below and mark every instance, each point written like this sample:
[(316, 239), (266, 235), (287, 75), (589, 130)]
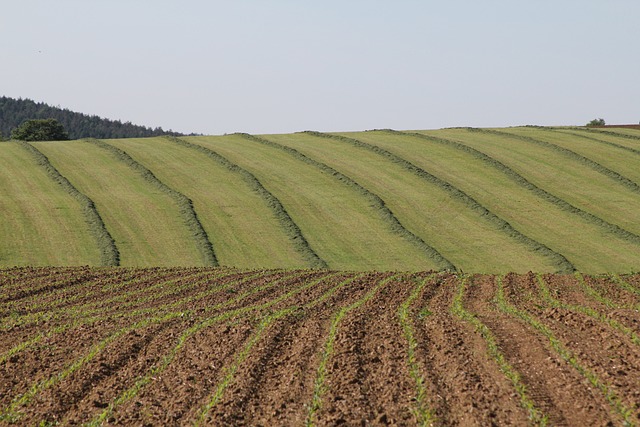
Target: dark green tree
[(596, 122), (40, 130)]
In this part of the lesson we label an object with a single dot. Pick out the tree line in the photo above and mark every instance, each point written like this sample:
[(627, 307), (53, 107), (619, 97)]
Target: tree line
[(15, 112)]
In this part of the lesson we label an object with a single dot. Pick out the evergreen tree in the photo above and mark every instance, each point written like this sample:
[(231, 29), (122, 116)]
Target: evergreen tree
[(14, 112)]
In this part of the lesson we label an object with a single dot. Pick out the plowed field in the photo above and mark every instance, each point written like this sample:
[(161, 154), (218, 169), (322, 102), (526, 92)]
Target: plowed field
[(214, 346)]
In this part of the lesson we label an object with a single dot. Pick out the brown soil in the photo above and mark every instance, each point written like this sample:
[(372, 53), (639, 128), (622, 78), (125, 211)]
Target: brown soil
[(620, 126), (100, 351), (564, 397)]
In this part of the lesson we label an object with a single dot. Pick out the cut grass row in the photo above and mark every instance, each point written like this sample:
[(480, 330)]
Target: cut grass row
[(240, 216), (592, 164), (45, 216), (476, 231), (145, 223), (385, 213), (339, 222), (364, 202), (617, 158), (589, 242), (291, 229), (606, 139), (522, 181), (580, 181), (185, 205)]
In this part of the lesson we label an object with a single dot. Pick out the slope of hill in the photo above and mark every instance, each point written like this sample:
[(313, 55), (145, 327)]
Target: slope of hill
[(472, 200), (13, 112)]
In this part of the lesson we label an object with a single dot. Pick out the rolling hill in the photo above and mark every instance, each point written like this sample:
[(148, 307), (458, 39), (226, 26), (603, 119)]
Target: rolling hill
[(464, 199)]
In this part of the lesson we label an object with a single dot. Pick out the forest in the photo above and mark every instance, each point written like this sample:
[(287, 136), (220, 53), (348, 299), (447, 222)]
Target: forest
[(14, 112)]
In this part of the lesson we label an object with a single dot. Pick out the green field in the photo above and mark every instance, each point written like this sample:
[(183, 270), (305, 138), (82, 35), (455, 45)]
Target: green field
[(474, 200)]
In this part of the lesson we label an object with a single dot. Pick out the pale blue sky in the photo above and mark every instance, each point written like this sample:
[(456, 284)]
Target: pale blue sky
[(275, 66)]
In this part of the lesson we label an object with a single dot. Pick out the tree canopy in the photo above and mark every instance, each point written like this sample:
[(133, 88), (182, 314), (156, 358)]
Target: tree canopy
[(596, 122), (13, 112), (40, 130)]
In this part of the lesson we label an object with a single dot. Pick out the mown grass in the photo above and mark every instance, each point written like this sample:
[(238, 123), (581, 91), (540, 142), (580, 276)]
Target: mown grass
[(385, 213), (602, 150), (567, 176), (244, 230), (338, 222), (517, 199), (145, 223), (462, 235), (511, 197), (592, 244), (184, 204), (40, 223)]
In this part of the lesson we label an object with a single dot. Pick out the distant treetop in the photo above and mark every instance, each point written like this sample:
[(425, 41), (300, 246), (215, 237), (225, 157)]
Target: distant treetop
[(15, 112), (596, 122)]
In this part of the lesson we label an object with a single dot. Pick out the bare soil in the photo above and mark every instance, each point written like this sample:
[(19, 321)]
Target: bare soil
[(103, 346)]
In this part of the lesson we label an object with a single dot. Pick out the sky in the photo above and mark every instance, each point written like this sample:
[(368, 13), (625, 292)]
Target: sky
[(281, 66)]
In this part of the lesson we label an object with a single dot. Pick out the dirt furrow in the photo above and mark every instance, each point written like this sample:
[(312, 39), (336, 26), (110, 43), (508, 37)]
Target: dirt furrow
[(66, 365), (63, 321), (615, 289), (555, 387), (34, 291), (48, 355), (603, 355), (597, 298), (218, 346), (72, 400), (464, 386), (275, 382), (368, 379), (191, 372)]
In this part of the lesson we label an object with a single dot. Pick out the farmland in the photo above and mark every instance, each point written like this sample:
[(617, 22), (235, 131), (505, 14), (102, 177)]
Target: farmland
[(220, 346), (467, 200), (449, 277)]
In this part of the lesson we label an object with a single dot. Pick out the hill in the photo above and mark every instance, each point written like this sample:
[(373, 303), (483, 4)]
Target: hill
[(473, 200), (13, 112)]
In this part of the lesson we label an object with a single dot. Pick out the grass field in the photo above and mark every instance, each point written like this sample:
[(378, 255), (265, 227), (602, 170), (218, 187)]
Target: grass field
[(40, 223), (463, 235), (339, 223), (244, 231), (586, 244), (475, 200), (562, 174), (144, 222)]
